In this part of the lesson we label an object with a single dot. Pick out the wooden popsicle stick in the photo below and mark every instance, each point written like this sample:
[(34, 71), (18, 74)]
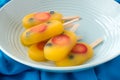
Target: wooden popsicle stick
[(69, 25), (79, 37), (74, 28), (95, 43), (71, 21), (70, 17)]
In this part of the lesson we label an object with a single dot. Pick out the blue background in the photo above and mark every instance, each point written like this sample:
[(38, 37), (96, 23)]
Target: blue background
[(12, 70)]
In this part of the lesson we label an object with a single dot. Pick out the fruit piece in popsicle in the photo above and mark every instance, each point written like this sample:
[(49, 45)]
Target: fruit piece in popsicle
[(59, 46), (34, 19), (36, 52), (43, 32), (80, 53)]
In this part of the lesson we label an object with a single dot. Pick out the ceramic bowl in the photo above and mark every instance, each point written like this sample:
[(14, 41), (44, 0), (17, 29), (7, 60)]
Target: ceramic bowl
[(99, 20)]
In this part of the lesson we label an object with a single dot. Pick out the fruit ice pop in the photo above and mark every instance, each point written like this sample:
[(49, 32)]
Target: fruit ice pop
[(59, 46), (43, 32), (34, 19), (80, 53), (36, 52)]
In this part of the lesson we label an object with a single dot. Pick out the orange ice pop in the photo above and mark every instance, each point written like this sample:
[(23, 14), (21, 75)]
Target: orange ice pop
[(36, 51), (34, 19), (43, 32), (80, 53), (58, 47)]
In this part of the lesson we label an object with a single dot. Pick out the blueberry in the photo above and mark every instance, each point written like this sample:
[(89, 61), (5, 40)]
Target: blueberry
[(52, 12), (31, 19), (63, 32), (71, 56), (48, 44), (48, 22), (28, 34)]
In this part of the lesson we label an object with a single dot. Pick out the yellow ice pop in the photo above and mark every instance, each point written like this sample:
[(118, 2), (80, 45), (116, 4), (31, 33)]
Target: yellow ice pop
[(41, 32), (59, 46), (36, 52), (80, 53), (34, 19)]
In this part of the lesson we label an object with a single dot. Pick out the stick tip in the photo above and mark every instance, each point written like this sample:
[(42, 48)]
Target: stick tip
[(97, 42)]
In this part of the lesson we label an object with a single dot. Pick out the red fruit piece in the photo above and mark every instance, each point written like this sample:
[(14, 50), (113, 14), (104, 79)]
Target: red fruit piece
[(41, 45), (61, 39), (41, 28), (79, 48), (42, 16)]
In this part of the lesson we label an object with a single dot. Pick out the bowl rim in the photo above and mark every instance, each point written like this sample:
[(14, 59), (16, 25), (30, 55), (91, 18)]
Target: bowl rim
[(59, 69)]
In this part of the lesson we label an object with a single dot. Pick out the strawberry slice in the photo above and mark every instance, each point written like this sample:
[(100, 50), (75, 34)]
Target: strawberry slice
[(61, 39), (79, 48), (38, 29), (41, 45), (42, 16)]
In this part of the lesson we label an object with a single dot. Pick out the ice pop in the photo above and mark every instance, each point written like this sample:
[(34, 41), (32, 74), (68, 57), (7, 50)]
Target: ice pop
[(43, 32), (59, 46), (36, 52), (80, 53), (34, 19)]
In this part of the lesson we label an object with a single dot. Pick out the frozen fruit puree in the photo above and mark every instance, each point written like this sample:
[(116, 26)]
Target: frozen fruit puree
[(41, 32), (36, 52), (80, 53), (48, 39), (34, 19), (60, 46)]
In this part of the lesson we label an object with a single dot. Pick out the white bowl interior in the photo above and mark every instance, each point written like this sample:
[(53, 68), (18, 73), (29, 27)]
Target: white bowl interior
[(96, 22)]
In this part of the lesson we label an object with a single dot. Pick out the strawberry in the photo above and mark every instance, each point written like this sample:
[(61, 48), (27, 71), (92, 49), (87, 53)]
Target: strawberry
[(41, 28), (42, 16), (52, 12), (41, 45), (61, 39), (79, 48)]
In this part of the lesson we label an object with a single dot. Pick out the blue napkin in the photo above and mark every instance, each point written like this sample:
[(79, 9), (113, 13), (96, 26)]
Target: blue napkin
[(2, 2), (118, 1), (12, 70)]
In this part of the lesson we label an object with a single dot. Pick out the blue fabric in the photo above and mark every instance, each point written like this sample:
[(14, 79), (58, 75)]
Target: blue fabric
[(2, 2), (12, 70), (118, 1)]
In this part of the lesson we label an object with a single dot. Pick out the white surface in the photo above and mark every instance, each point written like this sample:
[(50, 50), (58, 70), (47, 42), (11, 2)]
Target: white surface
[(98, 20)]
